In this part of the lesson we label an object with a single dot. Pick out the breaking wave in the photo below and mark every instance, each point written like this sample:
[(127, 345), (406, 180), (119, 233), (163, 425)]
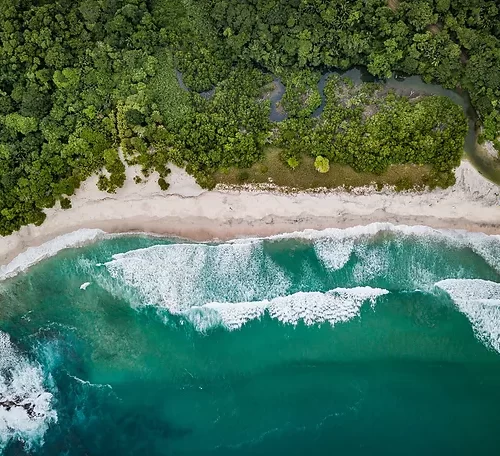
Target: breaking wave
[(180, 276), (334, 252), (334, 306), (333, 245), (25, 404), (416, 265), (232, 283), (479, 300)]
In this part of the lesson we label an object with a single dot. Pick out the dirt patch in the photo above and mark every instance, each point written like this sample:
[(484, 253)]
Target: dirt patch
[(369, 111), (434, 28), (393, 4)]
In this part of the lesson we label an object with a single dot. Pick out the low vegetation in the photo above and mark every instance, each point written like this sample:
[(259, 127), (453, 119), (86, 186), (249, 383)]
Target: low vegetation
[(272, 170)]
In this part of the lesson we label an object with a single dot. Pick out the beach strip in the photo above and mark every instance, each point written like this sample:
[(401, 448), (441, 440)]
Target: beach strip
[(187, 211)]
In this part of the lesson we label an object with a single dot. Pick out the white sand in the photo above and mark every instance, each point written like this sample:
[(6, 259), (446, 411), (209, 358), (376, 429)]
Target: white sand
[(473, 204)]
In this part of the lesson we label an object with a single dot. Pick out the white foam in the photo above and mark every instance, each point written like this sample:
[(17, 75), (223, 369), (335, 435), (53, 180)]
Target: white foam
[(84, 286), (25, 405), (372, 262), (414, 266), (479, 242), (334, 247), (371, 229), (34, 255), (479, 300), (334, 306), (179, 276), (334, 253), (87, 383)]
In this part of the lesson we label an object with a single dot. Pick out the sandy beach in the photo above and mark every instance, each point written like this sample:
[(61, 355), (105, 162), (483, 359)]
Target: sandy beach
[(186, 210)]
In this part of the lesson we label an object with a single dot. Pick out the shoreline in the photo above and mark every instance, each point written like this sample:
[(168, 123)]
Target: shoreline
[(203, 230), (187, 211)]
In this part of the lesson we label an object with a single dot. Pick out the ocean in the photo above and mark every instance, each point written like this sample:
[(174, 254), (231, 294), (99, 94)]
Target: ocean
[(370, 340)]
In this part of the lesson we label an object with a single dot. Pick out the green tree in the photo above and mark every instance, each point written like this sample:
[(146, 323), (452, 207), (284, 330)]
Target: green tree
[(21, 124), (322, 164)]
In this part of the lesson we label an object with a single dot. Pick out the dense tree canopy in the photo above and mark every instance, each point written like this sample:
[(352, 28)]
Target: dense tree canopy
[(65, 68), (453, 42), (187, 81)]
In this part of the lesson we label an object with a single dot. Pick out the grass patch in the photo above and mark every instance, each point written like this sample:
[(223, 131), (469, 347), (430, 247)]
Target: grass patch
[(305, 177)]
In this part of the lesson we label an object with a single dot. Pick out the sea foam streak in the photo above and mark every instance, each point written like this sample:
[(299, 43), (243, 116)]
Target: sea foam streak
[(479, 300), (334, 252), (334, 306), (25, 405), (180, 276), (34, 255), (334, 248)]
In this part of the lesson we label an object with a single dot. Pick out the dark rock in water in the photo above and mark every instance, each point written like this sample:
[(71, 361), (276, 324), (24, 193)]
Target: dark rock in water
[(29, 407)]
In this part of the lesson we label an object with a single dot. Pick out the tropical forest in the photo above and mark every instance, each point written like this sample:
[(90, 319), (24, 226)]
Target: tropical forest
[(231, 90)]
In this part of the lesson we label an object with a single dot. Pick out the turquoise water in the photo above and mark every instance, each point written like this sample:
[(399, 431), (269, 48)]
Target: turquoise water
[(365, 341)]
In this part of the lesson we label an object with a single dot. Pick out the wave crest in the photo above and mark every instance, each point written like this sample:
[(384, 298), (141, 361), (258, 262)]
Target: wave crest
[(334, 306), (479, 300), (487, 246), (484, 245), (179, 276), (334, 253)]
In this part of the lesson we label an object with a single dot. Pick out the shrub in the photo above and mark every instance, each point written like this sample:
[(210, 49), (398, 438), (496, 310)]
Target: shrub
[(65, 203), (292, 162), (164, 185), (322, 164)]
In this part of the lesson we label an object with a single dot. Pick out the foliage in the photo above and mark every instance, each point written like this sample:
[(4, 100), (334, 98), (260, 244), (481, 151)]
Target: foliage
[(164, 185), (322, 164), (65, 67), (301, 97), (65, 203), (230, 129), (293, 162), (170, 101), (454, 43), (491, 126), (369, 130)]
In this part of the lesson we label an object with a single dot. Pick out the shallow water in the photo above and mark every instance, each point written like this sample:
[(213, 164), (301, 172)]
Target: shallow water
[(377, 340)]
